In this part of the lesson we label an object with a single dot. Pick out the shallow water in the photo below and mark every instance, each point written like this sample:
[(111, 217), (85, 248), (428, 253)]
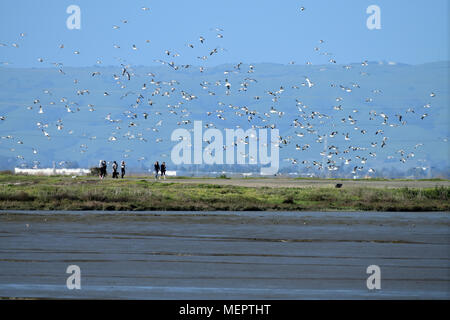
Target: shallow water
[(224, 255)]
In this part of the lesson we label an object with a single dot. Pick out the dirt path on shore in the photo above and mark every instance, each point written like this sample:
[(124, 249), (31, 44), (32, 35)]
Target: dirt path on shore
[(299, 183)]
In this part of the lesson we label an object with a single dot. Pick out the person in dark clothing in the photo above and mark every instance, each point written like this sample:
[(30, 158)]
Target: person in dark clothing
[(122, 168), (157, 168), (163, 170), (103, 169), (100, 169), (115, 174), (105, 166)]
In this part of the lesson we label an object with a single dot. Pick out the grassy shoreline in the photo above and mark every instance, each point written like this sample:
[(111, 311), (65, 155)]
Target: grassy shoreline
[(138, 194)]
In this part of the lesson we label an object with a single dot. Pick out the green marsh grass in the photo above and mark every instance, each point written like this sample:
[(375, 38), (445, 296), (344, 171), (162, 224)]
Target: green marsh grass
[(90, 193)]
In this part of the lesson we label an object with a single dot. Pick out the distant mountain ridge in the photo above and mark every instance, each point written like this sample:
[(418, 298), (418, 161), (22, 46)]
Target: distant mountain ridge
[(81, 118)]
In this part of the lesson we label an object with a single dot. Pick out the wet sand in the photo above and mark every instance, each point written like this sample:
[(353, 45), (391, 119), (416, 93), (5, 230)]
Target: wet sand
[(225, 255)]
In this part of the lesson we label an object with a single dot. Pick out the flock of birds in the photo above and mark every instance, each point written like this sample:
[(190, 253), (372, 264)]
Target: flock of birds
[(301, 127)]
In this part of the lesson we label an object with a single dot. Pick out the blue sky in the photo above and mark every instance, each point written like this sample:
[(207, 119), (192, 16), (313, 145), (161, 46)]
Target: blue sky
[(412, 31)]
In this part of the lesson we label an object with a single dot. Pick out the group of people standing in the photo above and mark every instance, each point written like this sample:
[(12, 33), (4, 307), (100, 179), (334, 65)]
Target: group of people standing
[(102, 166), (115, 166), (160, 168)]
